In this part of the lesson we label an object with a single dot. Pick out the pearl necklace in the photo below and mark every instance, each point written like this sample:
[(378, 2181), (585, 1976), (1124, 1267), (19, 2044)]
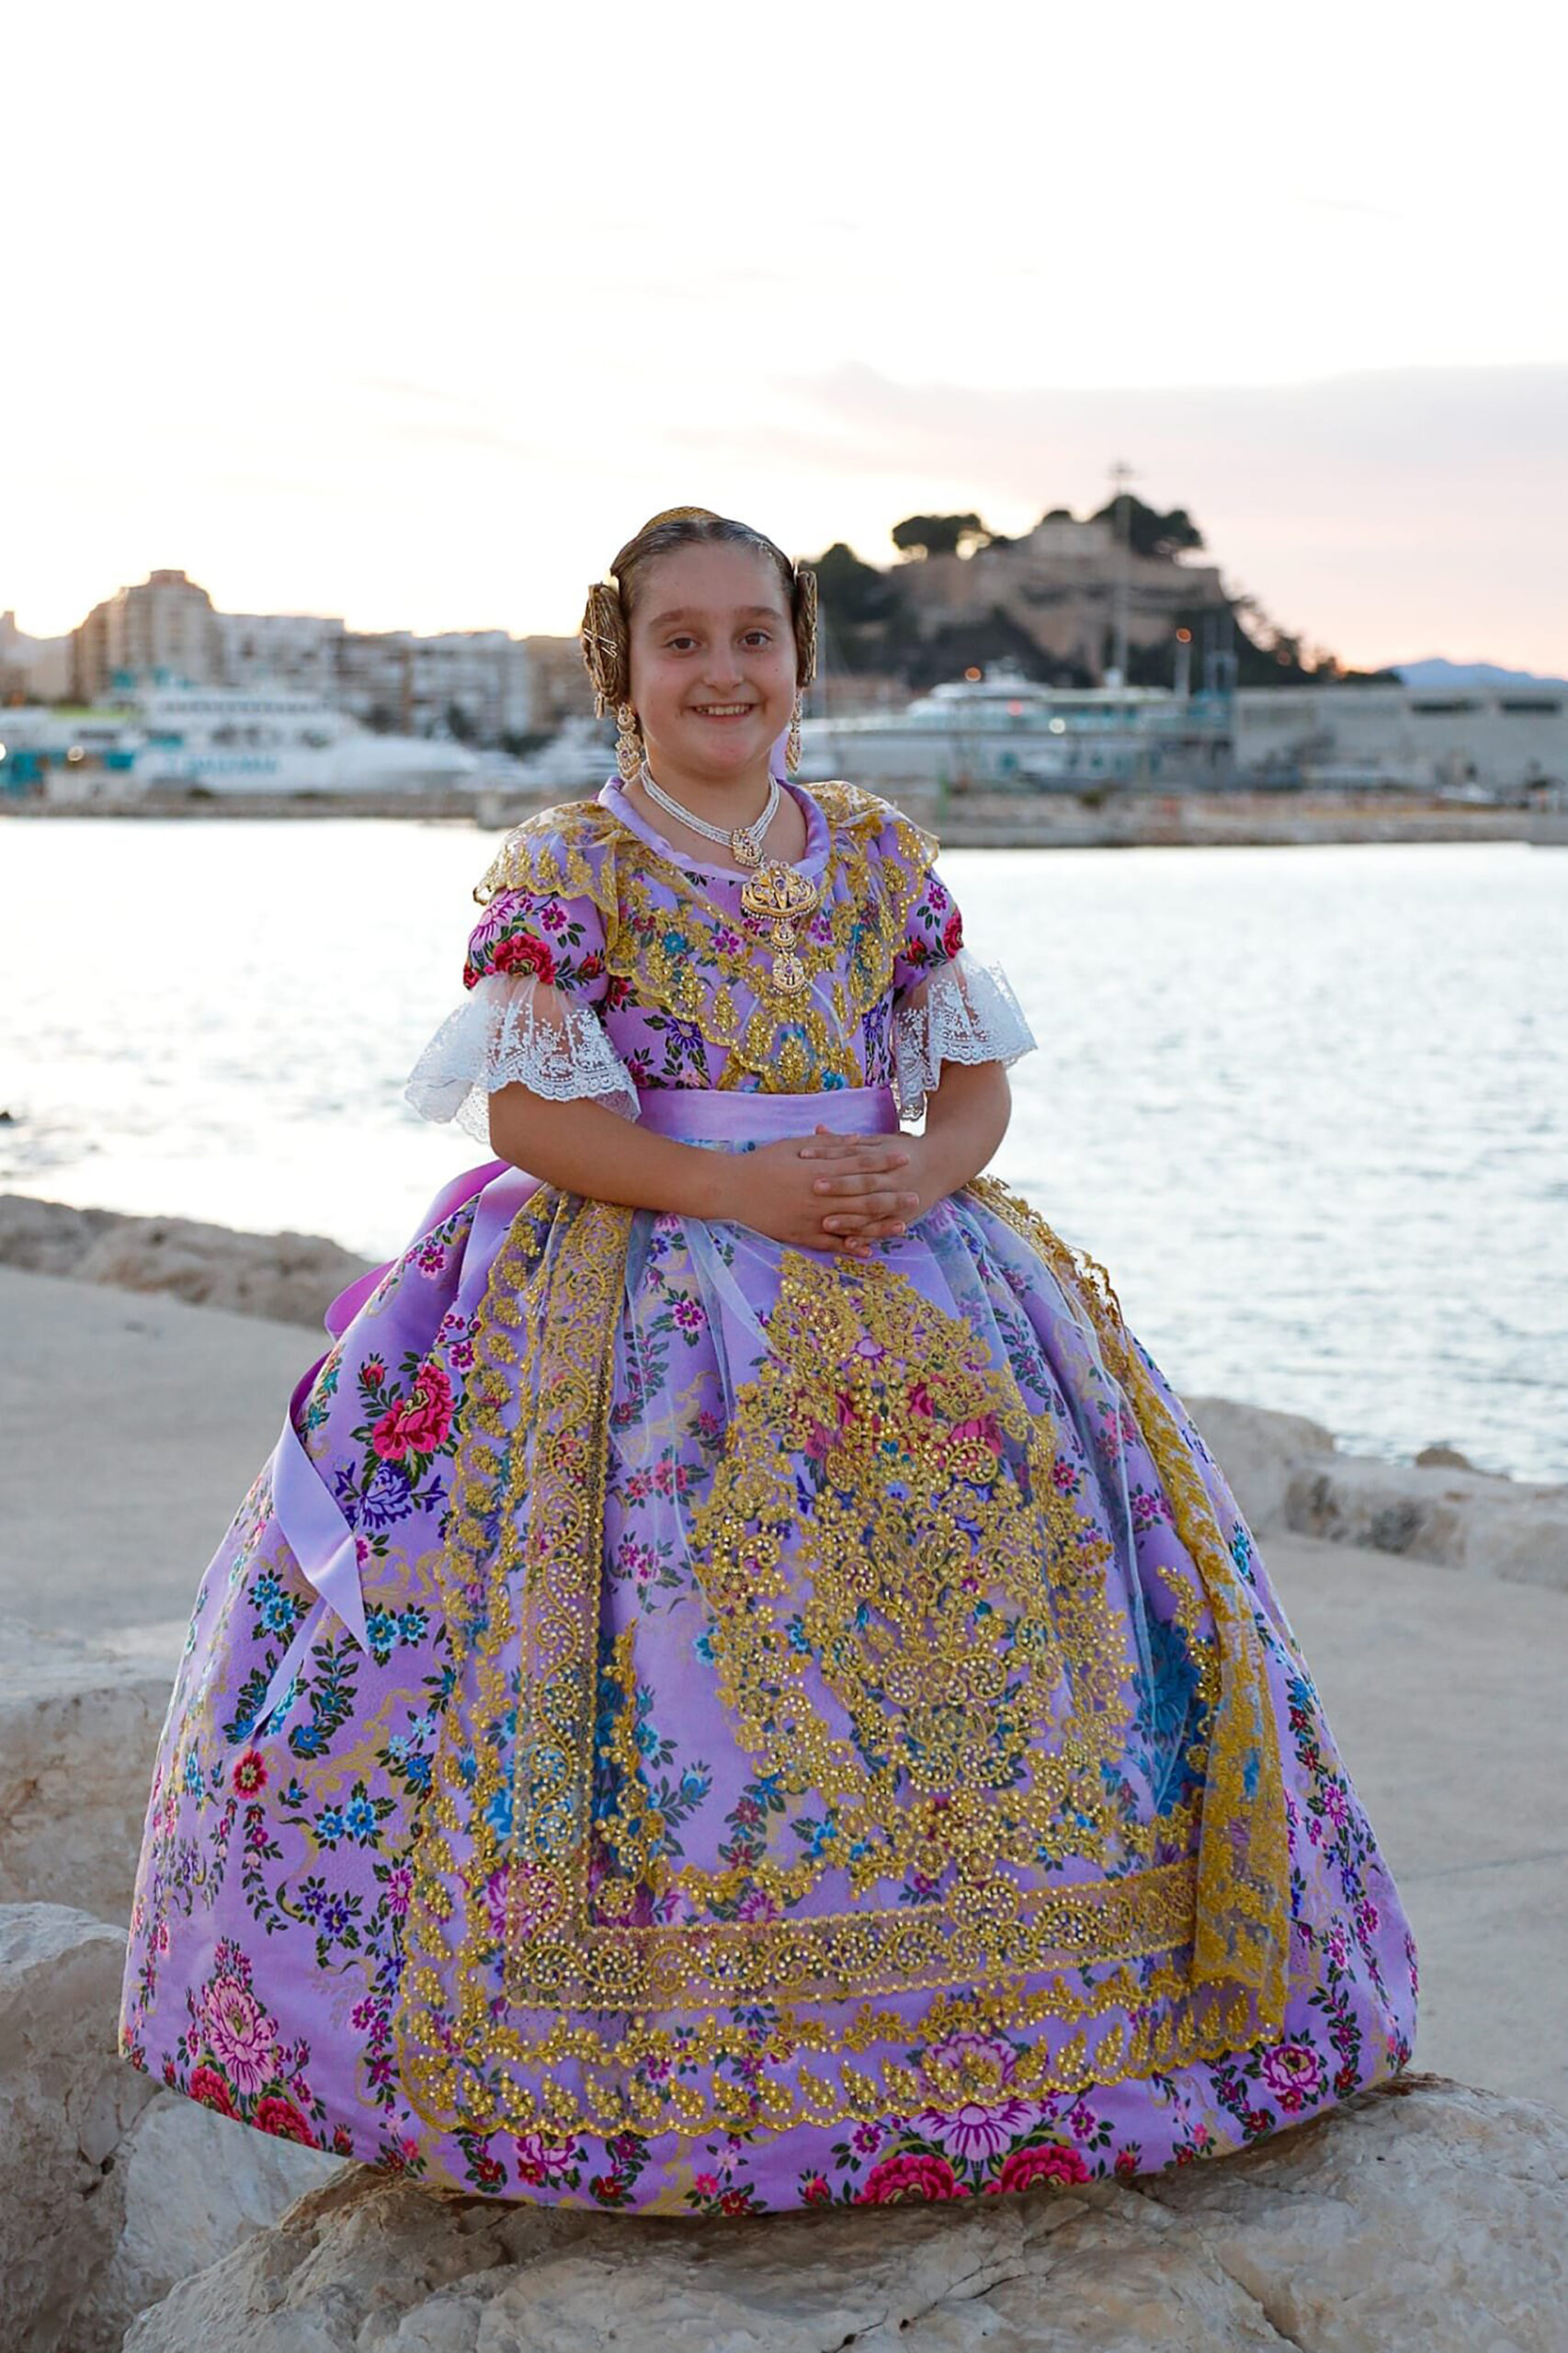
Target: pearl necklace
[(773, 894), (746, 841)]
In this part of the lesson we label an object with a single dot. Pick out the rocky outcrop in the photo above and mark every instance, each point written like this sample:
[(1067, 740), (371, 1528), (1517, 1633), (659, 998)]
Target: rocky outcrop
[(79, 1733), (289, 1278), (111, 2189), (1286, 1473), (1421, 2218)]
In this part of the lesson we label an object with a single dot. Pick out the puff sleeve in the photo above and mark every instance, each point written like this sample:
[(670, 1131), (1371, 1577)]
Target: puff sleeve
[(948, 1005), (535, 982)]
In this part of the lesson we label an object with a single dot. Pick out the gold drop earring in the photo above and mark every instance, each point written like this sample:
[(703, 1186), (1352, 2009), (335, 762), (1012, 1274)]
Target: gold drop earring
[(792, 741), (628, 742)]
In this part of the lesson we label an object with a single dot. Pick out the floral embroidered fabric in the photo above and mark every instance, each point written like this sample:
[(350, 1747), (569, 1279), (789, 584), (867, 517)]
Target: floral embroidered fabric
[(689, 1725)]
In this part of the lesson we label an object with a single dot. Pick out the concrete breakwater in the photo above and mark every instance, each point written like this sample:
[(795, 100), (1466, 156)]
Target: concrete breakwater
[(1120, 820)]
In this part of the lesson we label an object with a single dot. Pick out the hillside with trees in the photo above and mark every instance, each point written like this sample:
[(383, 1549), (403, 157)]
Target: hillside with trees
[(910, 621)]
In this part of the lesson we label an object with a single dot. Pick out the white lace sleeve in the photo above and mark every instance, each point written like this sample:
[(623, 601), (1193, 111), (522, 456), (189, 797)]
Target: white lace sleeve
[(514, 1028), (963, 1011)]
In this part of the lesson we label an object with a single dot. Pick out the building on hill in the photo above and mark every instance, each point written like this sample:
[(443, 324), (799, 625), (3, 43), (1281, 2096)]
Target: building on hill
[(1070, 587)]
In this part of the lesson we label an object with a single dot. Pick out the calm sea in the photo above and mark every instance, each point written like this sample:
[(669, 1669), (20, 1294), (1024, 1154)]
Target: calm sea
[(1309, 1106)]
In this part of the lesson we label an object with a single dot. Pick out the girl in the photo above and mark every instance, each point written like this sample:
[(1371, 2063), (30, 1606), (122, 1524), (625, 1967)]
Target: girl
[(740, 1685)]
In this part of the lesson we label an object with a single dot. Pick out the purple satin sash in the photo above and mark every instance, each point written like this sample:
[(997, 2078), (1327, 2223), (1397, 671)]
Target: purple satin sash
[(308, 1514), (704, 1115)]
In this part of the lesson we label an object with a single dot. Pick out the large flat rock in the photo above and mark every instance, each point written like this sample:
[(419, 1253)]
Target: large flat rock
[(78, 1735), (1423, 2219)]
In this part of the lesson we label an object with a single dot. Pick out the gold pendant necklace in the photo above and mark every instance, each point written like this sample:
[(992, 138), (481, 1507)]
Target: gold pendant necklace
[(780, 898)]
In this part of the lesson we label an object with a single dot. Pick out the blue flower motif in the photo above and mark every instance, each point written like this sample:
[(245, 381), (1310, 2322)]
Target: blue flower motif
[(380, 1626), (329, 1825), (829, 1079), (359, 1819)]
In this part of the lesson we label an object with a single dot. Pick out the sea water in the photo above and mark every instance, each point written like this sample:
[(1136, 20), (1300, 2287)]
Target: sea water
[(1308, 1106)]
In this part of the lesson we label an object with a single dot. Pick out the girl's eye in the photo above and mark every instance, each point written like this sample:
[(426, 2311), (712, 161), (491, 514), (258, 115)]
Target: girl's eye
[(762, 633)]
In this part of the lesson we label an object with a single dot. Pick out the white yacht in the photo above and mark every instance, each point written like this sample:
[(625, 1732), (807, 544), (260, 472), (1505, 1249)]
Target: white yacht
[(1001, 730), (277, 740), (227, 740)]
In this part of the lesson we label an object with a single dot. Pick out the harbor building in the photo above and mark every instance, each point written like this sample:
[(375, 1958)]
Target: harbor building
[(1488, 740)]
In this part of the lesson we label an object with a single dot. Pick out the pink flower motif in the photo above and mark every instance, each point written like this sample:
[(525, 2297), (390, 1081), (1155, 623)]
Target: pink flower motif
[(909, 2181), (283, 2119), (984, 1430), (244, 2039), (420, 1422), (1050, 2161), (706, 2185), (1293, 2072), (543, 2160), (207, 2085)]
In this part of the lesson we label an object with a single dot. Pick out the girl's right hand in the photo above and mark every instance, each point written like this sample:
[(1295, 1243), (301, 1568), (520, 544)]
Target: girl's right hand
[(774, 1191)]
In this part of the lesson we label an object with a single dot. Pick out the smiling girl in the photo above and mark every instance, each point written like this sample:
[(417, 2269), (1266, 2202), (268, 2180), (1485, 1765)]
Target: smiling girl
[(741, 1684)]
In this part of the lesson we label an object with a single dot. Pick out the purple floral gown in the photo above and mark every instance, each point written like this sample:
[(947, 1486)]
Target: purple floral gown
[(686, 1724)]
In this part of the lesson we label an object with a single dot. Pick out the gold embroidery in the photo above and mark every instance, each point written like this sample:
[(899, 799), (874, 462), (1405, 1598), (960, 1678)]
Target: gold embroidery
[(1243, 1864), (524, 2001), (677, 959)]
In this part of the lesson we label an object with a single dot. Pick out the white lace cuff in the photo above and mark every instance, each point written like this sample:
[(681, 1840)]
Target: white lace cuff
[(963, 1011), (513, 1028)]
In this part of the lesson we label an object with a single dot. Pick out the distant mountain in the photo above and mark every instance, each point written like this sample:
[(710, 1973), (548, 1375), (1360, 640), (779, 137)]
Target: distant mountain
[(1436, 672)]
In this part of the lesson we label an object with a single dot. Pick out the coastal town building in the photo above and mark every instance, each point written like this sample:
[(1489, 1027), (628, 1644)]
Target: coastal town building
[(32, 669), (165, 623), (473, 685)]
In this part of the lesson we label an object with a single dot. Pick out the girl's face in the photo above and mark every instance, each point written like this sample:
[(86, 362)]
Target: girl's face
[(713, 663)]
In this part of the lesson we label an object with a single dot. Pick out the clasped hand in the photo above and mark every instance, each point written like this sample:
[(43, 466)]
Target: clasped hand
[(827, 1192)]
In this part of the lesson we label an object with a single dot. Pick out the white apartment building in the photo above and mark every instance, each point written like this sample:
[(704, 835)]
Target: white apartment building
[(293, 649)]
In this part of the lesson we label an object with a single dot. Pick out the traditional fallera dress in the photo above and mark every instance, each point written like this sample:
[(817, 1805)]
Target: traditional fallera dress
[(688, 1724)]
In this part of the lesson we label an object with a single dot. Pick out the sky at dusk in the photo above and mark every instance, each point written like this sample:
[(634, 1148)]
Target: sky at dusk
[(414, 316)]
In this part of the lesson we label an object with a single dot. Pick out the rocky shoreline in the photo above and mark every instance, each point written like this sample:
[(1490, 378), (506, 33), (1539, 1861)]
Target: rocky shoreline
[(1287, 1472)]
